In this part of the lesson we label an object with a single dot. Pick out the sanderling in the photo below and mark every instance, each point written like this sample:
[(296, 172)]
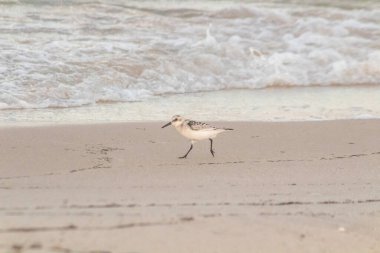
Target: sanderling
[(195, 131)]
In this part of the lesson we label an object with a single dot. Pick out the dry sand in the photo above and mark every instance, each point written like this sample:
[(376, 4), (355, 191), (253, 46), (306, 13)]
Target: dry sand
[(272, 187)]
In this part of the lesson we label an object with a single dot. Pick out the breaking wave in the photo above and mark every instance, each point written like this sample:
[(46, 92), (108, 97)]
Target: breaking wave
[(73, 54)]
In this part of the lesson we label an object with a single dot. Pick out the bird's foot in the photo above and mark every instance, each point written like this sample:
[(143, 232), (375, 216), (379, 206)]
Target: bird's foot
[(182, 157), (212, 152)]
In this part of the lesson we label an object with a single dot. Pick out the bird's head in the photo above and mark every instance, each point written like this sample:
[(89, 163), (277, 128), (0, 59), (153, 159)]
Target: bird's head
[(176, 121)]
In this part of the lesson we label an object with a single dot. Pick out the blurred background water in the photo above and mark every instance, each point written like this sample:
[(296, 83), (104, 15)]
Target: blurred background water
[(71, 61)]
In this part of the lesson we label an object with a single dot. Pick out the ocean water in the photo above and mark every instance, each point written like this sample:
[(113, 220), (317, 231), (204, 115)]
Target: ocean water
[(94, 56)]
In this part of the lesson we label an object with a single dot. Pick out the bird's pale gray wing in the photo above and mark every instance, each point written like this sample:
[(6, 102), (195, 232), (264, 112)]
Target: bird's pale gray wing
[(196, 125)]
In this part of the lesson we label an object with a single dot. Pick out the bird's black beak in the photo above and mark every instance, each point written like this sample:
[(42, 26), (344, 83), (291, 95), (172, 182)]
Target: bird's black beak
[(168, 124)]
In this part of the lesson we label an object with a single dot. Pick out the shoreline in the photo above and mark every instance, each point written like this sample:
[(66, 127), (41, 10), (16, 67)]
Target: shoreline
[(90, 123), (119, 187), (296, 104)]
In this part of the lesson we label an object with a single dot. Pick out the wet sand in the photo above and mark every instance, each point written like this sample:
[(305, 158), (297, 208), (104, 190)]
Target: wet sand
[(272, 187)]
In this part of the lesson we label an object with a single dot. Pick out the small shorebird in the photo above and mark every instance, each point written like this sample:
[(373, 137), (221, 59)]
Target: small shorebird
[(195, 131)]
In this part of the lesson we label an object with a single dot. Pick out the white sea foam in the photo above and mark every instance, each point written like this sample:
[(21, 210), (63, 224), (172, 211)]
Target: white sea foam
[(64, 54)]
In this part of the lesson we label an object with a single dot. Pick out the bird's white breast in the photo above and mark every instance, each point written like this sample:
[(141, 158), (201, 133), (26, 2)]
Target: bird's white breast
[(198, 135)]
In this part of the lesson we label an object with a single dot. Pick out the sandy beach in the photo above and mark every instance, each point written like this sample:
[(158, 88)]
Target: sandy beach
[(85, 166), (272, 187)]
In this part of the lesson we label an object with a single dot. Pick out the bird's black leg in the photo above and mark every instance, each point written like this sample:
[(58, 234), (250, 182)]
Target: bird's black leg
[(211, 150), (191, 147)]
